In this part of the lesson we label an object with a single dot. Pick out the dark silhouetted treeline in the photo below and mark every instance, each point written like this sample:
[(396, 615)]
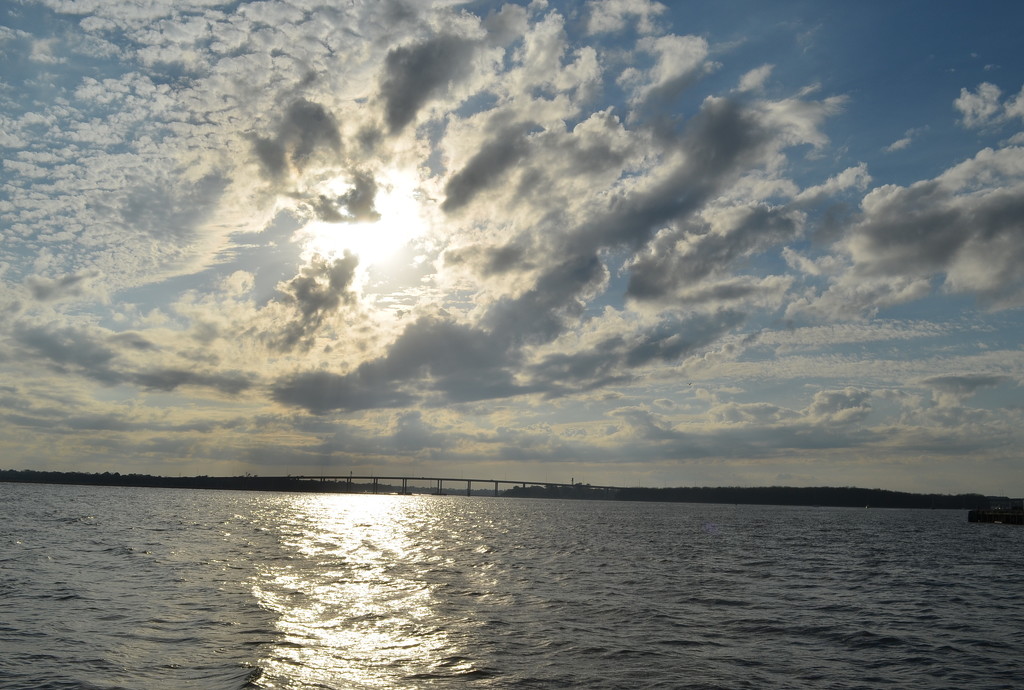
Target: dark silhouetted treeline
[(243, 483), (813, 496)]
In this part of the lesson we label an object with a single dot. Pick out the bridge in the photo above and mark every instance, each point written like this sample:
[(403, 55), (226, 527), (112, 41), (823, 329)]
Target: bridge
[(439, 482)]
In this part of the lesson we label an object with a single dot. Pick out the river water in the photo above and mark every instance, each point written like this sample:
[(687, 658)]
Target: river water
[(107, 587)]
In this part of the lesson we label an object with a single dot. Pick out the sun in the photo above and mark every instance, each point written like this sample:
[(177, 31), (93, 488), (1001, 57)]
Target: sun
[(399, 218)]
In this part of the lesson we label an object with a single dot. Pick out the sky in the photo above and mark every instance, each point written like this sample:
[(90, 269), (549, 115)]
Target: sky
[(619, 242)]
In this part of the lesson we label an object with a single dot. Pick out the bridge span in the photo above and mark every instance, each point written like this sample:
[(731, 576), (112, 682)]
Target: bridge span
[(438, 482)]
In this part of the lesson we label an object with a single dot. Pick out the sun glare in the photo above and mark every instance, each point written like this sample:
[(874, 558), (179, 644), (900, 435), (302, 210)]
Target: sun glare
[(375, 242)]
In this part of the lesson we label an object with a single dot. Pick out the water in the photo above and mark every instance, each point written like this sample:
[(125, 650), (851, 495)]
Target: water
[(147, 588)]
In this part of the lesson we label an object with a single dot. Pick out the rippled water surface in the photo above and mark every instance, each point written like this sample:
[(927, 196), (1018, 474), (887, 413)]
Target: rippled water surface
[(148, 588)]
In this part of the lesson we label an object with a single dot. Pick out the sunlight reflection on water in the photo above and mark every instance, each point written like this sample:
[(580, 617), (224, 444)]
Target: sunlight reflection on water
[(352, 603)]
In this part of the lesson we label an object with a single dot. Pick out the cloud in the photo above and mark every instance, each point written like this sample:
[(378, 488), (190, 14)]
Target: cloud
[(305, 132), (612, 15), (679, 61), (754, 79), (98, 356), (761, 414), (840, 406), (957, 230), (411, 433), (357, 205), (906, 140), (677, 262), (66, 287), (856, 177), (66, 348), (981, 107), (486, 166), (415, 73), (985, 107), (962, 224), (462, 364), (722, 140), (954, 389), (317, 293), (898, 145), (170, 379)]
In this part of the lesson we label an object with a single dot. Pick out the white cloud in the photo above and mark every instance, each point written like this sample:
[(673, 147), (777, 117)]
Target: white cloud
[(754, 79), (612, 15), (857, 178), (985, 106)]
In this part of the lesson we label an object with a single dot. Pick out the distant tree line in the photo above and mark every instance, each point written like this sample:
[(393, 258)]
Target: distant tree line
[(806, 496), (241, 483), (771, 495)]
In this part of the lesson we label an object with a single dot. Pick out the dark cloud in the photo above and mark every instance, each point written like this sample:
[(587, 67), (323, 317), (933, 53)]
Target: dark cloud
[(672, 340), (540, 314), (357, 205), (492, 261), (411, 433), (613, 360), (414, 74), (657, 108), (722, 140), (52, 289), (305, 128), (88, 354), (504, 259), (727, 291), (912, 230), (319, 290), (169, 379), (359, 201), (589, 156), (322, 285), (132, 341), (964, 384), (324, 391), (677, 260), (272, 157), (462, 364), (69, 347), (487, 166), (566, 373), (965, 229)]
